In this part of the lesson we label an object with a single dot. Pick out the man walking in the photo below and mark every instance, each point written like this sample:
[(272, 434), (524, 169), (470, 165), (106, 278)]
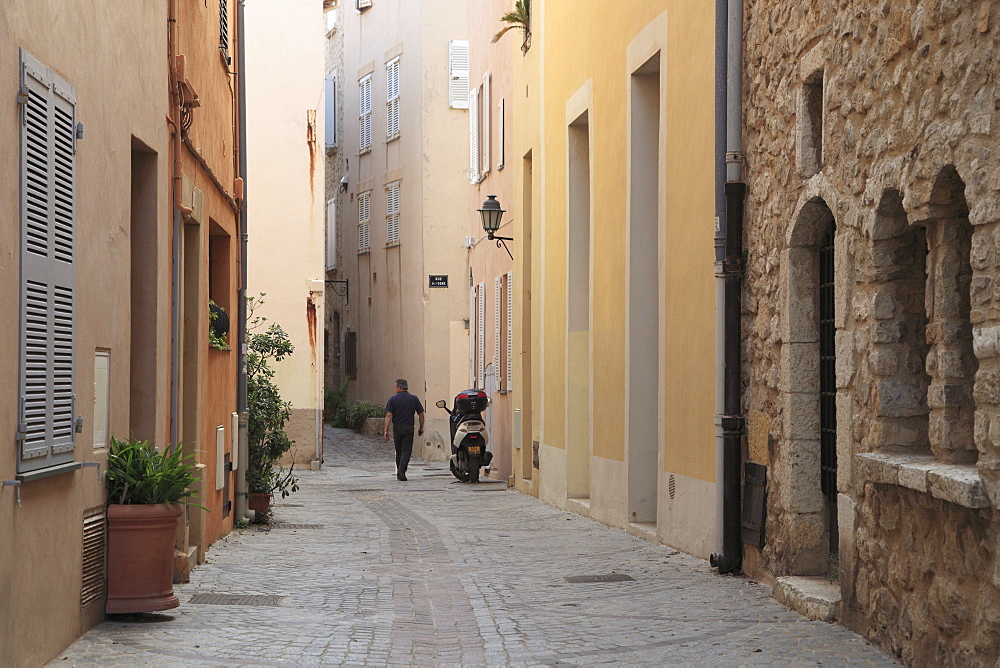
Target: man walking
[(399, 412)]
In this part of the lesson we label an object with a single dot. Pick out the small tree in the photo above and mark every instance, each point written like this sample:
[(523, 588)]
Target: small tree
[(267, 412), (520, 18)]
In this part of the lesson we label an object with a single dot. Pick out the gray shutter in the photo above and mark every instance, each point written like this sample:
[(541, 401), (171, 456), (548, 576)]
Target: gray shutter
[(458, 74), (48, 273), (331, 112)]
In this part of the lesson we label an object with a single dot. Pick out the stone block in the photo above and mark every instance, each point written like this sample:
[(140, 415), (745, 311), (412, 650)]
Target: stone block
[(913, 472), (947, 395), (888, 332), (813, 597), (884, 303), (986, 341), (878, 468), (899, 398), (800, 280), (801, 412), (799, 368), (884, 360), (960, 484), (802, 492), (844, 342)]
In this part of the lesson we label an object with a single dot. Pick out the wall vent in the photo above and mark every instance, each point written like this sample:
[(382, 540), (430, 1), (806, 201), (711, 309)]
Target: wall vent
[(94, 540)]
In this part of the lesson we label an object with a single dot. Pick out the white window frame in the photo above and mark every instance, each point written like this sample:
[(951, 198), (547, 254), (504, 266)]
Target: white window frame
[(510, 331), (392, 99), (473, 374), (501, 134), (474, 135), (364, 222), (486, 110), (392, 214), (365, 117), (331, 234), (498, 370)]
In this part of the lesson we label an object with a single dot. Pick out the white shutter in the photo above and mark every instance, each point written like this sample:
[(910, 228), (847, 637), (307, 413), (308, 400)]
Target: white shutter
[(481, 336), (48, 272), (365, 92), (331, 234), (510, 331), (392, 213), (474, 135), (392, 98), (501, 134), (486, 125), (330, 112), (458, 73), (497, 297), (472, 337), (364, 216)]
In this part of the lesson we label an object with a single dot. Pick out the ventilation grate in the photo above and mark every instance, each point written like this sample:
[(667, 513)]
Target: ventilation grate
[(610, 577), (236, 599), (93, 557), (289, 525), (373, 489), (672, 486)]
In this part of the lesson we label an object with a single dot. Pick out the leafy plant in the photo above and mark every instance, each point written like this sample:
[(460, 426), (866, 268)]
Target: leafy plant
[(138, 473), (353, 414), (218, 326), (520, 19), (267, 412)]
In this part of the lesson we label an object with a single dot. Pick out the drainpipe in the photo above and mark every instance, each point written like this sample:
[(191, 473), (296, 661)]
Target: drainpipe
[(721, 16), (731, 558), (241, 318)]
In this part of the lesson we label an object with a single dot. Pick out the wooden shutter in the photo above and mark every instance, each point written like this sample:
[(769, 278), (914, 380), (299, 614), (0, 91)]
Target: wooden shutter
[(481, 336), (330, 112), (486, 124), (392, 98), (392, 213), (472, 337), (331, 234), (364, 216), (510, 331), (365, 93), (497, 297), (48, 271), (474, 135), (458, 74)]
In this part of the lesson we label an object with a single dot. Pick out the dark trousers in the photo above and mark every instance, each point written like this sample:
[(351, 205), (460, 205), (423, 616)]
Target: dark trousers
[(402, 436)]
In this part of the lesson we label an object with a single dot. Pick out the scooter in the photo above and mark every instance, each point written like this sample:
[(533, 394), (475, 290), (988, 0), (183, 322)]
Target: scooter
[(468, 434)]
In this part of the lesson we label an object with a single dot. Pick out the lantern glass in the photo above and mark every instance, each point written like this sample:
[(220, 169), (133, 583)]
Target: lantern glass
[(491, 214)]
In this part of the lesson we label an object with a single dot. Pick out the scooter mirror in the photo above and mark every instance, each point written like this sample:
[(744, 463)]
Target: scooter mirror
[(440, 403)]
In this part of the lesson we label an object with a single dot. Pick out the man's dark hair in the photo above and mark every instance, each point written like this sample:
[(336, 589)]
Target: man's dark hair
[(401, 384)]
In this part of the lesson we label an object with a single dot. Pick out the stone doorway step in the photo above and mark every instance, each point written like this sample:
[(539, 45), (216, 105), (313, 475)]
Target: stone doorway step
[(814, 597)]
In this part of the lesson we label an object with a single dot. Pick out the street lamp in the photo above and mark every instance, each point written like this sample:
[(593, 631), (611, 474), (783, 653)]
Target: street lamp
[(491, 214)]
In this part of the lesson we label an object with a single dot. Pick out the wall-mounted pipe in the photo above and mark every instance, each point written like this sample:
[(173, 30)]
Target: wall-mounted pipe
[(175, 250), (241, 319), (731, 421)]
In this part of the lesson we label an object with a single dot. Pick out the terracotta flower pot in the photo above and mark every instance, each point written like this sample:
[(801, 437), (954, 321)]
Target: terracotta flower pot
[(141, 557), (259, 503)]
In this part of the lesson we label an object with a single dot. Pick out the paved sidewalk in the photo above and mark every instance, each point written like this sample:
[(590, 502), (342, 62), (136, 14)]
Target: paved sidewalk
[(362, 569)]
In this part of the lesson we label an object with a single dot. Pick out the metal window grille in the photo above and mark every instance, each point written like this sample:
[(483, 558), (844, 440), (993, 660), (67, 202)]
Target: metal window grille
[(224, 28), (827, 380)]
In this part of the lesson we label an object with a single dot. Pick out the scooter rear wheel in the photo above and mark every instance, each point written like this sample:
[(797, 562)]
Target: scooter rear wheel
[(457, 472)]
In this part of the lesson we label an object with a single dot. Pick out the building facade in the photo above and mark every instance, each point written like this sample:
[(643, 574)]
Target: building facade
[(871, 317), (614, 223), (287, 231), (404, 213), (118, 219)]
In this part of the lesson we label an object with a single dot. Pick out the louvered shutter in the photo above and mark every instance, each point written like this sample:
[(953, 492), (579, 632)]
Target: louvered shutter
[(330, 112), (497, 297), (510, 331), (364, 216), (458, 74), (472, 337), (331, 234), (474, 135), (224, 27), (392, 98), (501, 134), (365, 93), (48, 272), (392, 213), (481, 335), (485, 161)]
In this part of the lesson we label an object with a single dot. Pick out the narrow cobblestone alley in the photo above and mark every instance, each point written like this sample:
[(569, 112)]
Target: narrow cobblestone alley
[(360, 569)]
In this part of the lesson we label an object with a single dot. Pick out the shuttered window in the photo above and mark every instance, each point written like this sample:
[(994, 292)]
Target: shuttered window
[(501, 134), (458, 74), (330, 111), (486, 108), (510, 331), (392, 98), (481, 336), (497, 317), (48, 273), (392, 214), (474, 135), (331, 234), (365, 92), (472, 337), (224, 29), (364, 222)]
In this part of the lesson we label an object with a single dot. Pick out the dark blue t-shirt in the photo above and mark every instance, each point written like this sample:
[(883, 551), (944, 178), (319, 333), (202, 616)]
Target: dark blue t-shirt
[(403, 405)]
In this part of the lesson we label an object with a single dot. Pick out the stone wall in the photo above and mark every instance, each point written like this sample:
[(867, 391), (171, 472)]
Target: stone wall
[(876, 120)]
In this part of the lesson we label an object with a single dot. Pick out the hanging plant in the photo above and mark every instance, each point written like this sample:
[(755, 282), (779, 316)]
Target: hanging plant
[(520, 18), (218, 326)]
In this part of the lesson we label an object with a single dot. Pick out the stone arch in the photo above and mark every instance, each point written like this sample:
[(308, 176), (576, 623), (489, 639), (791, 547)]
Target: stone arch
[(806, 513)]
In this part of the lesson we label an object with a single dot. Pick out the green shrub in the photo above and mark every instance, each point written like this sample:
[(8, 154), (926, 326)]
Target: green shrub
[(353, 414), (333, 399), (138, 473)]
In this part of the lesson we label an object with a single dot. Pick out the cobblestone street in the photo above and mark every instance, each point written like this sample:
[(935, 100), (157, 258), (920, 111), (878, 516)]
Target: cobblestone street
[(361, 569)]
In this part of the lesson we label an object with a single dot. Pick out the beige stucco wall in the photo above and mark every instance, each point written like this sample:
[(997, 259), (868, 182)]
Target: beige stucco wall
[(285, 195), (100, 49), (585, 57), (404, 329)]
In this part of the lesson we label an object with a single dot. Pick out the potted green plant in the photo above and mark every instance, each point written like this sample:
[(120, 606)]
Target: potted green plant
[(146, 491), (267, 413)]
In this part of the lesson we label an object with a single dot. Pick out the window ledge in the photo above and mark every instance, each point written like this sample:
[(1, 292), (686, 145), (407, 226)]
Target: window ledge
[(50, 471), (364, 251), (391, 139), (956, 483), (392, 244), (365, 151)]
